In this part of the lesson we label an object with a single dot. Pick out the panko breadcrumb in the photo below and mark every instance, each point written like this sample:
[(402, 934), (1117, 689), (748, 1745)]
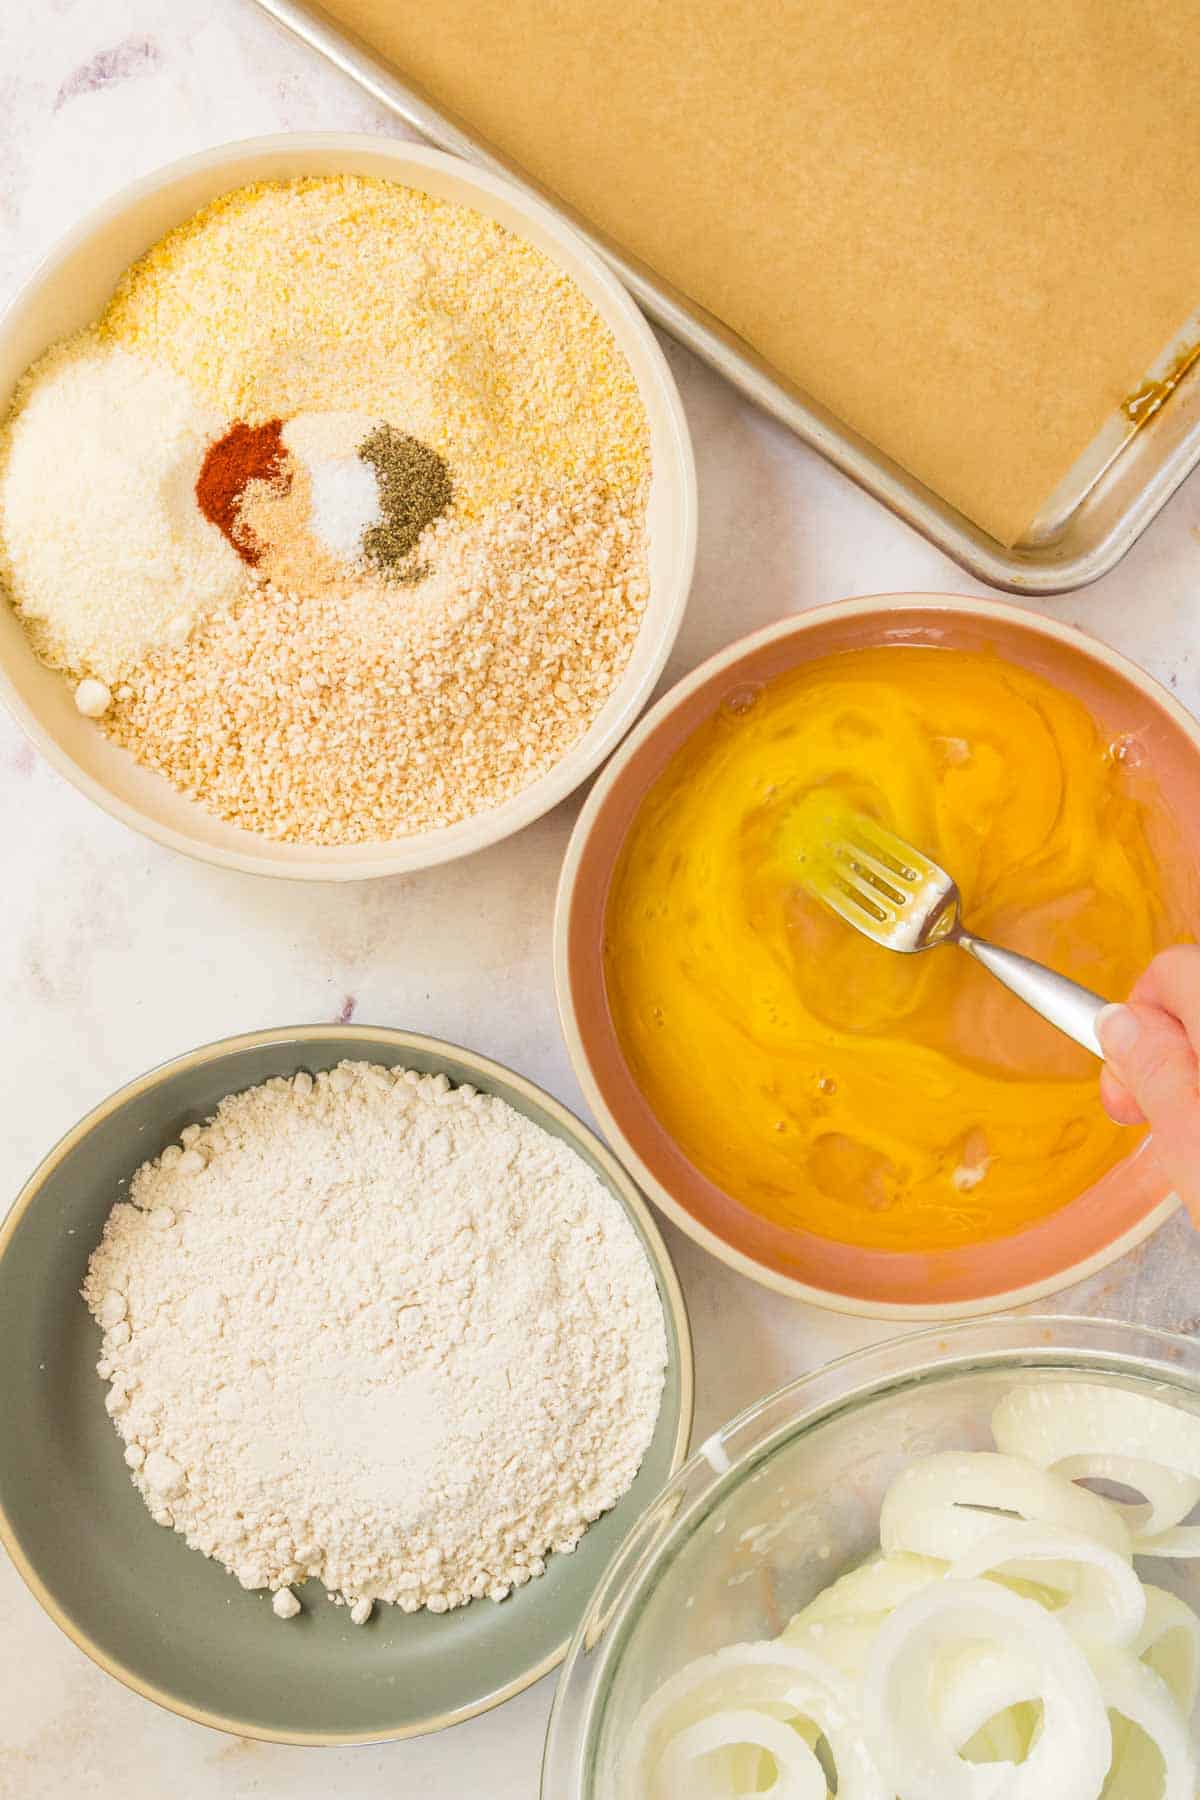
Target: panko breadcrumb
[(338, 718)]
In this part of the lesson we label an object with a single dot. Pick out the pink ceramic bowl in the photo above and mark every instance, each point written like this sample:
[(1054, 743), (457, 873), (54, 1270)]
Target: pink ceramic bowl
[(1086, 1232)]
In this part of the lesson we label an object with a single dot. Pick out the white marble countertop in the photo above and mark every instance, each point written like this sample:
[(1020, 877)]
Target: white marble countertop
[(115, 954)]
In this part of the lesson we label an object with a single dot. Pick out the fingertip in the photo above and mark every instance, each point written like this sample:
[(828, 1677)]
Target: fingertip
[(1118, 1029), (1160, 1072), (1118, 1102)]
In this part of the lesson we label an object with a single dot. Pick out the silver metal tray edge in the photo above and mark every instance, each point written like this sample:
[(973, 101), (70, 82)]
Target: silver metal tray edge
[(1094, 537)]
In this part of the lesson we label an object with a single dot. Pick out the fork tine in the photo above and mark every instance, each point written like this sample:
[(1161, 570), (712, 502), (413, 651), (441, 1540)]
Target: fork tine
[(872, 870), (873, 880), (895, 857), (852, 902)]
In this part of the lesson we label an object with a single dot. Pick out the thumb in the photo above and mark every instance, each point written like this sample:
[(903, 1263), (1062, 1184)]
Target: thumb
[(1150, 1054)]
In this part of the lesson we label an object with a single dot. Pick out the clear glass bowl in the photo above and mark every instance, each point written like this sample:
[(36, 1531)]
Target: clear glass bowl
[(771, 1508)]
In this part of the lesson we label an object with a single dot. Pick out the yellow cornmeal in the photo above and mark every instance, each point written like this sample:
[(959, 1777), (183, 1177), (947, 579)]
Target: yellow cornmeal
[(334, 293), (877, 1099)]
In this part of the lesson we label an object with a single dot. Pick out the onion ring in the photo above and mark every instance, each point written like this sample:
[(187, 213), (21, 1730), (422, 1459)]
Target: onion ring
[(777, 1678), (1169, 1497), (1070, 1756), (1180, 1541), (1004, 1737), (1107, 1604), (876, 1586), (976, 1689), (935, 1507), (1074, 1418), (1142, 1697), (798, 1774), (1169, 1642), (844, 1643)]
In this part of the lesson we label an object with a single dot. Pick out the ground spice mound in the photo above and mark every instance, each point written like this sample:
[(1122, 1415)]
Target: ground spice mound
[(414, 490), (339, 718), (246, 453)]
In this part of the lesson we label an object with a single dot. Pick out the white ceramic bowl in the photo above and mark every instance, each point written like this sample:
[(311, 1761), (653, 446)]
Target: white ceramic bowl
[(70, 290)]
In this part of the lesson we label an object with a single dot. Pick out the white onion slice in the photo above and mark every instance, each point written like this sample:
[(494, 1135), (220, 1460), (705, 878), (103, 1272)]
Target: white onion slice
[(1004, 1738), (1180, 1541), (876, 1586), (782, 1679), (1070, 1756), (1136, 1772), (983, 1700), (1169, 1642), (935, 1507), (843, 1643), (1073, 1418), (1141, 1696), (1001, 1739), (798, 1774), (1106, 1603), (975, 1688), (1169, 1497), (744, 1761)]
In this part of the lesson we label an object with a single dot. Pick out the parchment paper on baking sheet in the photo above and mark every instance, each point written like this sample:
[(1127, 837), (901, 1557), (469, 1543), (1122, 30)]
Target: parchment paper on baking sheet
[(968, 231)]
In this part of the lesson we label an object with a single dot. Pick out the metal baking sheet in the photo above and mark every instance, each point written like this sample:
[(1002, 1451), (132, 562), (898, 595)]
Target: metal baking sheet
[(1096, 514)]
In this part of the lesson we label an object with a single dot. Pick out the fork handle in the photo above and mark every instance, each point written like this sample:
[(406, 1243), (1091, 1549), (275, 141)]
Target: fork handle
[(1072, 1008)]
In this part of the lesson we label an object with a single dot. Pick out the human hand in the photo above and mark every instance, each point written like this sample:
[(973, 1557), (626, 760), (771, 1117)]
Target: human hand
[(1151, 1073)]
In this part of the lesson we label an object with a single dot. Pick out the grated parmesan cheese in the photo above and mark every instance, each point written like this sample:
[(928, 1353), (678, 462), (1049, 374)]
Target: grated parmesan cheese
[(107, 553)]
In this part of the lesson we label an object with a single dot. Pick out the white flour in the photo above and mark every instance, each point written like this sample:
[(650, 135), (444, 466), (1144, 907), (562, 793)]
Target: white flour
[(380, 1331)]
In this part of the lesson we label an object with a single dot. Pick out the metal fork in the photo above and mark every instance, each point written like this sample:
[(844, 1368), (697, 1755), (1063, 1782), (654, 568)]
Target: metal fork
[(900, 899)]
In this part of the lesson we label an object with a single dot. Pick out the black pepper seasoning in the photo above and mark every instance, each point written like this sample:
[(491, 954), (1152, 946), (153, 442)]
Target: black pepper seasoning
[(414, 490)]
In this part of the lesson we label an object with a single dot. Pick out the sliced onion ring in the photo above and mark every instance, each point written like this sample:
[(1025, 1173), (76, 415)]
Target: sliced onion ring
[(1056, 1419), (779, 1678), (974, 1688), (844, 1643), (798, 1774), (876, 1586), (1138, 1694), (933, 1507), (1071, 1754), (1180, 1541), (1107, 1604), (1170, 1642), (1002, 1738), (1169, 1497)]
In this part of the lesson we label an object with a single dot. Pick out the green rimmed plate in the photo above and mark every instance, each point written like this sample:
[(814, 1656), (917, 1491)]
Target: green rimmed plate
[(163, 1619)]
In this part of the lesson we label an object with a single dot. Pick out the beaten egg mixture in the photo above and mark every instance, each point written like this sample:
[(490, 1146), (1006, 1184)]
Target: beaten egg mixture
[(882, 1100)]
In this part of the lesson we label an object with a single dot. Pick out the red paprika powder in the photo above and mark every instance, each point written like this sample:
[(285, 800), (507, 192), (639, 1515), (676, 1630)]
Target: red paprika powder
[(246, 453)]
